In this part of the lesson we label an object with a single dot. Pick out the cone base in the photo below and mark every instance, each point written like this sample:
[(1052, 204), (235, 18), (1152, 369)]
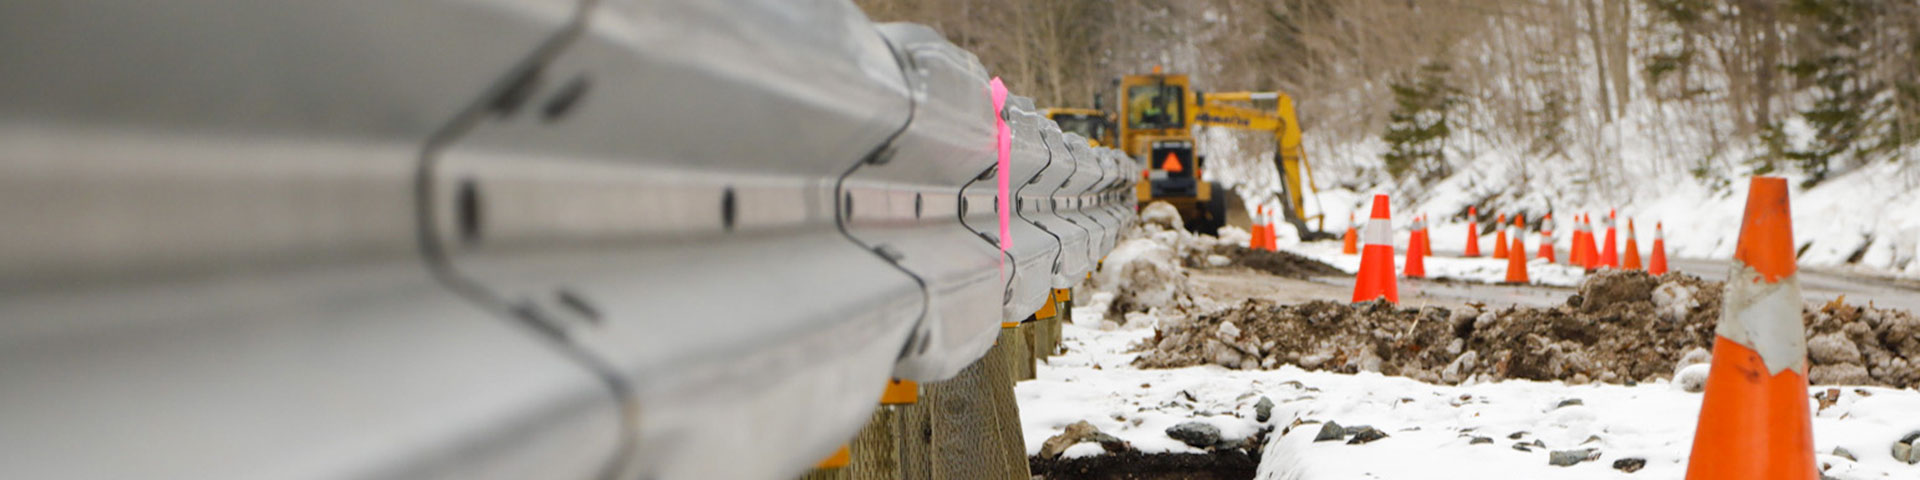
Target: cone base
[(1753, 424), (1376, 279)]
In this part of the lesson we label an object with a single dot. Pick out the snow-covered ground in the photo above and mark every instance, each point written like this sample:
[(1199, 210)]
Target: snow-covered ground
[(1431, 427), (1484, 269)]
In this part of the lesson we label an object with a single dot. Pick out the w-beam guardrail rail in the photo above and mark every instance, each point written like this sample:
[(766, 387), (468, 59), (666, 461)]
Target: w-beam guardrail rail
[(503, 238)]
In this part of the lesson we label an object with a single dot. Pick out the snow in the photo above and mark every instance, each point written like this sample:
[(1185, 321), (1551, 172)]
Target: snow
[(1430, 426), (1485, 269)]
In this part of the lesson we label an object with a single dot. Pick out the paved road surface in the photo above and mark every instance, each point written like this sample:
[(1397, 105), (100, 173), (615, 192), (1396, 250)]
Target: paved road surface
[(1822, 285), (1817, 285)]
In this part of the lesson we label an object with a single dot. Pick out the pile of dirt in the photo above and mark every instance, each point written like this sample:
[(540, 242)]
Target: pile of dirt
[(1850, 344), (1620, 327), (1279, 264)]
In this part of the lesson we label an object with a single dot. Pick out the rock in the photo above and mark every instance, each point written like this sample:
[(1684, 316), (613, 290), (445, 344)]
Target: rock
[(1219, 353), (1524, 447), (1692, 379), (1569, 403), (1629, 465), (1695, 356), (1263, 410), (1673, 300), (1368, 362), (1516, 435), (1074, 434), (1162, 214), (1110, 443), (1562, 458), (1363, 434), (1842, 452), (1218, 260), (1195, 433), (1907, 450), (1479, 440), (1228, 332), (1833, 348), (1461, 365), (1330, 431), (1838, 374)]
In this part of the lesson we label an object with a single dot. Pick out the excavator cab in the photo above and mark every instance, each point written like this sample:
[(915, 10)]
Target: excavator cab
[(1089, 123)]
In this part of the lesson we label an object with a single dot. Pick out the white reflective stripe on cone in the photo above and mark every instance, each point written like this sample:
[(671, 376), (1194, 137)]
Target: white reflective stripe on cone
[(1765, 317), (1377, 232)]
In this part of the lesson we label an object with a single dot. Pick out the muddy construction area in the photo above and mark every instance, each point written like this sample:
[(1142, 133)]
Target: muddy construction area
[(1621, 327), (1279, 264)]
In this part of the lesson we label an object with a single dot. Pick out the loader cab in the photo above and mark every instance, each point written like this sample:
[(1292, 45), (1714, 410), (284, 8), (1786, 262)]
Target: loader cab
[(1156, 106), (1153, 107)]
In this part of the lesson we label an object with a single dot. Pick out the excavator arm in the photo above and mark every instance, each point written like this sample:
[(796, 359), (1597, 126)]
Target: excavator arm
[(1236, 110)]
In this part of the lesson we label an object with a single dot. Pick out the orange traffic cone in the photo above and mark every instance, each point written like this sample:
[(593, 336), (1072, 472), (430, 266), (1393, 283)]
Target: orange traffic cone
[(1517, 258), (1632, 260), (1591, 255), (1754, 421), (1500, 241), (1575, 252), (1376, 263), (1610, 254), (1473, 232), (1350, 243), (1417, 250), (1426, 238), (1272, 241), (1258, 238), (1546, 238), (1658, 266)]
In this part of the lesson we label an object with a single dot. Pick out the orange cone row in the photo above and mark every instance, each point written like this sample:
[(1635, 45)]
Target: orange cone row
[(1510, 244)]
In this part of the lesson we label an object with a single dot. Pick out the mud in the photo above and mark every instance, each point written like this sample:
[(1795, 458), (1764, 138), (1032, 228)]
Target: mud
[(1218, 465), (1279, 264), (1621, 327)]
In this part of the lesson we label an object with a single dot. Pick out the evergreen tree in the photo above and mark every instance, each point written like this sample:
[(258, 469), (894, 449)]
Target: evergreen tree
[(1418, 126)]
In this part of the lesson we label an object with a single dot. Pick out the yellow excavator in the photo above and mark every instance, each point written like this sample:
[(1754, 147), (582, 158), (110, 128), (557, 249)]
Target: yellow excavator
[(1093, 123), (1157, 113)]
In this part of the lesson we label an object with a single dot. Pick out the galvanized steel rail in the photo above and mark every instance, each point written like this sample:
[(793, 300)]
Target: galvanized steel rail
[(502, 238)]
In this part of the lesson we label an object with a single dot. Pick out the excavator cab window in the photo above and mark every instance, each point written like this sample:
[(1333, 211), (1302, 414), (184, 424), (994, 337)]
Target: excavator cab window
[(1155, 106)]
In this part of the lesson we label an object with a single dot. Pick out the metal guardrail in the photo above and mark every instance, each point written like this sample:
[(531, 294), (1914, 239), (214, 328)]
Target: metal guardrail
[(501, 238)]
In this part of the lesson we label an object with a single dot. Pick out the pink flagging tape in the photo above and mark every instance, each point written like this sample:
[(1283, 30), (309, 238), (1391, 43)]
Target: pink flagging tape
[(1004, 143)]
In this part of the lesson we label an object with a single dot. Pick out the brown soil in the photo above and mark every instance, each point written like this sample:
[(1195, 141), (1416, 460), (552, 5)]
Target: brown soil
[(1613, 330), (1279, 264), (1219, 465)]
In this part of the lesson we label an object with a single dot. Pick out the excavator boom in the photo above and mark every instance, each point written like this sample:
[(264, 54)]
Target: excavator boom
[(1235, 110)]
